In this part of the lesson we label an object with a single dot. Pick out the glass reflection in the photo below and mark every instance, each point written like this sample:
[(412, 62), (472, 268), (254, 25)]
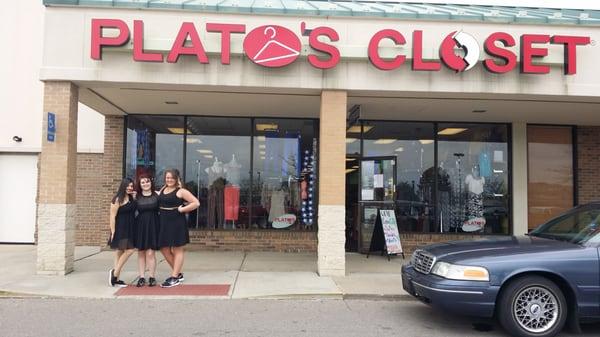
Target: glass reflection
[(412, 146), (473, 179), (218, 171), (154, 144), (285, 179)]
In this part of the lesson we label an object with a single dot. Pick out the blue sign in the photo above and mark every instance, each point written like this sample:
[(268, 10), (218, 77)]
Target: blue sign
[(51, 126)]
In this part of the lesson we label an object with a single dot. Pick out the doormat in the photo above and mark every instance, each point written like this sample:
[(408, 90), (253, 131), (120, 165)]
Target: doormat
[(180, 290)]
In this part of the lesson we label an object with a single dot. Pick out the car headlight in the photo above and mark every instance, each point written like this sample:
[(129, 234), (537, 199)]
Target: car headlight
[(458, 272)]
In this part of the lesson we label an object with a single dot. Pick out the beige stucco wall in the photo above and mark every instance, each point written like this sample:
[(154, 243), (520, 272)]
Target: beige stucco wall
[(67, 56)]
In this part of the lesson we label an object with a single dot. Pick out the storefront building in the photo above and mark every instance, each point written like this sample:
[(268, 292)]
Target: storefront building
[(294, 122)]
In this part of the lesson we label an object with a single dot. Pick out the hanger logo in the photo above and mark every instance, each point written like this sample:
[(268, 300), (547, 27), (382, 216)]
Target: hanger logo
[(272, 46)]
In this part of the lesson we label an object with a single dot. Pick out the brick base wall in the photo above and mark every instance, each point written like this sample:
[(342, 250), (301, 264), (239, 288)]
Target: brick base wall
[(270, 241), (588, 161), (411, 241)]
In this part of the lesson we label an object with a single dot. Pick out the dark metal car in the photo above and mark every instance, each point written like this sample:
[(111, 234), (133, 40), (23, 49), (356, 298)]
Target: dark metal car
[(532, 284)]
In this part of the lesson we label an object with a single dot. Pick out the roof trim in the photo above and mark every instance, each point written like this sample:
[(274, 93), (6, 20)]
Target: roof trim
[(357, 8)]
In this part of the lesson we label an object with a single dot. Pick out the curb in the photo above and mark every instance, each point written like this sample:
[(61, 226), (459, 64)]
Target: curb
[(379, 297)]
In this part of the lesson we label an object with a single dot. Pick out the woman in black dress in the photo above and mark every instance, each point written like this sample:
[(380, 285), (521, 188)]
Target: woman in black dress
[(173, 234), (122, 222), (146, 229)]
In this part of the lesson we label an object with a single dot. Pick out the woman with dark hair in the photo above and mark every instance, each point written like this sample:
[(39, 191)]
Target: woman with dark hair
[(146, 229), (173, 234), (122, 222)]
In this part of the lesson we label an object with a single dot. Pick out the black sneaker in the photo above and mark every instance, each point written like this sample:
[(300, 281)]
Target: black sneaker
[(141, 282), (111, 278), (170, 282), (180, 277), (151, 282), (120, 284)]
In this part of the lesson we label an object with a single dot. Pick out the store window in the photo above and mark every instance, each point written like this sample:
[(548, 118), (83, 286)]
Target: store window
[(405, 150), (550, 172), (284, 182), (247, 173), (154, 144), (218, 171), (473, 184)]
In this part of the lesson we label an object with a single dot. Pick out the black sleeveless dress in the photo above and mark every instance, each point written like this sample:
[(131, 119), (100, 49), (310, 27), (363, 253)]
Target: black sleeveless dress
[(146, 223), (124, 227), (173, 227)]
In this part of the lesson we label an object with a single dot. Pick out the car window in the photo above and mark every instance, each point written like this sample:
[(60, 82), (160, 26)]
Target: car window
[(580, 226)]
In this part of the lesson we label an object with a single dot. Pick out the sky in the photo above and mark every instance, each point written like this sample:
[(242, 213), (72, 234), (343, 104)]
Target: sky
[(572, 4)]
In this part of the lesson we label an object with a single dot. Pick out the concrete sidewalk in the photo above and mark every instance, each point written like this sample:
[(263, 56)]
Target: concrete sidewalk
[(249, 275)]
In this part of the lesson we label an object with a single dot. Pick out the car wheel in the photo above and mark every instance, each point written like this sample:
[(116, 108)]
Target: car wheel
[(532, 306)]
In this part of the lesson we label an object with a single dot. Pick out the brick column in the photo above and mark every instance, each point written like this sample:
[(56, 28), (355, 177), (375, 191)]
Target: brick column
[(332, 184), (588, 160), (98, 177), (56, 220)]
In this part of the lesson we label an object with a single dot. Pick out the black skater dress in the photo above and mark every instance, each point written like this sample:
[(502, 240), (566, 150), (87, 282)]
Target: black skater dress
[(173, 227), (124, 227), (146, 223)]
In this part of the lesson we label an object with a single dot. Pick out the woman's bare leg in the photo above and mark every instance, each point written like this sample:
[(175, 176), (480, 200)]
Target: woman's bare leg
[(142, 262), (178, 254), (121, 262), (151, 262)]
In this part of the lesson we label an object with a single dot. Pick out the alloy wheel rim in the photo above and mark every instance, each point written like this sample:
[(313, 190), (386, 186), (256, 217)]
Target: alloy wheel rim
[(536, 309)]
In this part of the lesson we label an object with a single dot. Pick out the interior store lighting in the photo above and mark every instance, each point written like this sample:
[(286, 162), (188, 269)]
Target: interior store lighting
[(384, 141), (356, 129), (350, 170), (178, 131), (194, 141), (426, 141), (350, 140), (262, 146), (209, 156), (350, 159), (451, 131), (266, 127), (205, 151), (400, 149), (261, 138)]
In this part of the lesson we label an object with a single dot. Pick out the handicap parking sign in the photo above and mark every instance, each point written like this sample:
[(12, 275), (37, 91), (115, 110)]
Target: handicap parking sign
[(51, 126)]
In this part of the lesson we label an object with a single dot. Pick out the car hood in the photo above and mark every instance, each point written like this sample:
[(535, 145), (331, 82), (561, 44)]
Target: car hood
[(496, 247)]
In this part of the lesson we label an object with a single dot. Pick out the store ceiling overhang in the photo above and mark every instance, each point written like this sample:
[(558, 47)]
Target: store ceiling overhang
[(397, 10), (121, 100)]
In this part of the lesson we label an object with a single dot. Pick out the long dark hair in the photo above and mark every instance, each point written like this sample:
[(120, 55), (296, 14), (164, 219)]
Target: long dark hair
[(122, 191), (138, 183)]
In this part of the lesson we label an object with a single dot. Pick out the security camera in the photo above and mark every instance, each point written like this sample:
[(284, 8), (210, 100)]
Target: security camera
[(17, 139)]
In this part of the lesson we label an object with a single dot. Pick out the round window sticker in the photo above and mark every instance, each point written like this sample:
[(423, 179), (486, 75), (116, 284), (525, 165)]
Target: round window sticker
[(272, 46)]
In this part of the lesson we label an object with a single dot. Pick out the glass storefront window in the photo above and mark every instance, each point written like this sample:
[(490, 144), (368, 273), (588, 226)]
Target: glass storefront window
[(218, 162), (412, 147), (473, 185), (550, 176), (285, 178), (154, 144)]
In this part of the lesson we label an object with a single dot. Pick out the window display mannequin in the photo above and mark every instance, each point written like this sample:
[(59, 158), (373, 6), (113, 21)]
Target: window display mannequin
[(216, 185), (277, 207), (474, 216), (232, 191)]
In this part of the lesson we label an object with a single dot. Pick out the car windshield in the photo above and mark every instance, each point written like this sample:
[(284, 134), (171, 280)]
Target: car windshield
[(580, 226)]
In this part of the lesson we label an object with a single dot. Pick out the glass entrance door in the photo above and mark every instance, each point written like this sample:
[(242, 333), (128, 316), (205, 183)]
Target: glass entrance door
[(377, 191)]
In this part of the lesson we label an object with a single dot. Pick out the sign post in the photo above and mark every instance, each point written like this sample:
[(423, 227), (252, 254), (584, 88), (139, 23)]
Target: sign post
[(51, 127)]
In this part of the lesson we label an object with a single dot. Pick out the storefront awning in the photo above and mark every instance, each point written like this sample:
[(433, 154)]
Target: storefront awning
[(424, 11)]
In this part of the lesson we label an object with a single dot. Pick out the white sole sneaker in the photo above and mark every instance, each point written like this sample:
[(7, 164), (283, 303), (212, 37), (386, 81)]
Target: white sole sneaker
[(110, 277)]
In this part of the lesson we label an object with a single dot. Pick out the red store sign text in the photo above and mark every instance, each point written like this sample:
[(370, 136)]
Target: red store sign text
[(277, 46)]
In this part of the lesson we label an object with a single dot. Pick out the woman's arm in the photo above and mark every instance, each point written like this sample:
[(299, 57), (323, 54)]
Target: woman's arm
[(114, 207), (192, 202)]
